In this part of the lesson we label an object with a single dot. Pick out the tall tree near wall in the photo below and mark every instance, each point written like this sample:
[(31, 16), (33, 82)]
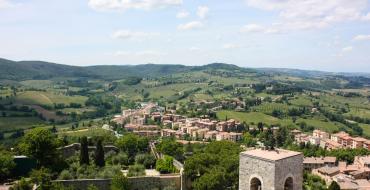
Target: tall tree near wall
[(99, 154), (84, 152)]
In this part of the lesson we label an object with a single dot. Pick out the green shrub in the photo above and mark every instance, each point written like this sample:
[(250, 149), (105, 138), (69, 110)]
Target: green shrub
[(165, 165), (136, 170)]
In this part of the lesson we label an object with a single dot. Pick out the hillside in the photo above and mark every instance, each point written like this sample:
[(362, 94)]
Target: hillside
[(36, 70), (27, 70)]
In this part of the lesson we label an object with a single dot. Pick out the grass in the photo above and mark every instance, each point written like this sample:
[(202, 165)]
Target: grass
[(77, 110), (73, 136), (269, 107), (5, 92), (47, 98), (250, 117), (366, 129), (14, 123), (323, 125), (301, 100), (363, 113), (39, 84)]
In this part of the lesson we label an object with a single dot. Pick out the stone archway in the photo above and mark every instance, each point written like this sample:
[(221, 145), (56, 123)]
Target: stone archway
[(288, 185), (256, 184)]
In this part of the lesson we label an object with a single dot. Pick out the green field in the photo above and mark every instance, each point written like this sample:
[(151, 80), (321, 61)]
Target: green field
[(364, 113), (269, 107), (251, 117), (302, 100), (39, 84), (47, 98), (14, 123), (325, 126)]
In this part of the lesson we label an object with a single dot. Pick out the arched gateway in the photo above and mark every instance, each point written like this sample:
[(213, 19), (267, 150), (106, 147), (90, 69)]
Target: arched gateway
[(256, 184), (270, 170)]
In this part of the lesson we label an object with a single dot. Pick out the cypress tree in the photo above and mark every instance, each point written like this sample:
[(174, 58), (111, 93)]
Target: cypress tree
[(99, 154), (269, 139), (84, 152)]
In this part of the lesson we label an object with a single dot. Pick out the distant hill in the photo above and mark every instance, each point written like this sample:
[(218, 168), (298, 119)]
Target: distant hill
[(23, 70), (26, 70)]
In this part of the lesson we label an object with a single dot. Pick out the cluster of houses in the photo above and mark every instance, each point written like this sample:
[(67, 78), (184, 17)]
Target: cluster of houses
[(331, 141), (178, 126), (198, 128), (353, 176)]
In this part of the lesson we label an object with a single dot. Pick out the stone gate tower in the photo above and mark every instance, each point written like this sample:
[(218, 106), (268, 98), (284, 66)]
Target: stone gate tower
[(270, 170)]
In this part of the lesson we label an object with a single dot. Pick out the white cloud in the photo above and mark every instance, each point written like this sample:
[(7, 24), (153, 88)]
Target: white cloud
[(230, 46), (106, 5), (366, 17), (4, 4), (361, 37), (194, 49), (182, 14), (312, 14), (252, 28), (132, 35), (202, 12), (347, 49), (190, 25), (145, 53)]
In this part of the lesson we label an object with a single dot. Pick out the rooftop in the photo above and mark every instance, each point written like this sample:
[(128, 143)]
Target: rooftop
[(277, 154)]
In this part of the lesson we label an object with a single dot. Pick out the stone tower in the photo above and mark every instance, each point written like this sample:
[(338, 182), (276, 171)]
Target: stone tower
[(270, 170)]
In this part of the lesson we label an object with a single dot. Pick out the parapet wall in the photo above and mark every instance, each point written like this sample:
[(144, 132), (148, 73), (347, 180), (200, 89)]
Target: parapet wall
[(137, 183)]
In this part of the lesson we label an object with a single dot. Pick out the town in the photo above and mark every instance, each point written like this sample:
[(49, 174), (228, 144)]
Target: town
[(185, 95)]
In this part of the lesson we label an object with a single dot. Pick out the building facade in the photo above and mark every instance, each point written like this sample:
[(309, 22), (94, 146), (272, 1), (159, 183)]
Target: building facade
[(270, 170)]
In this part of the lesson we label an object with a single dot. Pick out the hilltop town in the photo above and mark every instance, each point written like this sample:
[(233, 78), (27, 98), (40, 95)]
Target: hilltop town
[(210, 127)]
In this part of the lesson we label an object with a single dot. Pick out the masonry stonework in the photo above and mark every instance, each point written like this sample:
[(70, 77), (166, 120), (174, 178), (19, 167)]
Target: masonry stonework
[(270, 170)]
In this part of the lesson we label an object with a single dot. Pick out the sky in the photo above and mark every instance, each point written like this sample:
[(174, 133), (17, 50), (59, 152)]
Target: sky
[(327, 35)]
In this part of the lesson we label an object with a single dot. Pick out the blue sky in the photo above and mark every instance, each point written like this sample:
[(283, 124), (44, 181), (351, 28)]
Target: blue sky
[(330, 35)]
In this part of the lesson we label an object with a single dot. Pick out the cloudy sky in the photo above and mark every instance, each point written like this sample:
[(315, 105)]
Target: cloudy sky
[(330, 35)]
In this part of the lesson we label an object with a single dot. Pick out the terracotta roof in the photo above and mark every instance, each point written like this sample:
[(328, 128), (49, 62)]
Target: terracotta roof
[(328, 170), (277, 154)]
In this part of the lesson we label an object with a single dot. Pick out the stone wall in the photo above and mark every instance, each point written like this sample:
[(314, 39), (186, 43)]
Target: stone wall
[(250, 168), (289, 167), (82, 184), (271, 173), (137, 183)]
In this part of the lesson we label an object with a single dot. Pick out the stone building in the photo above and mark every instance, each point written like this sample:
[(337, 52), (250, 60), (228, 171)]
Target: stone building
[(270, 170)]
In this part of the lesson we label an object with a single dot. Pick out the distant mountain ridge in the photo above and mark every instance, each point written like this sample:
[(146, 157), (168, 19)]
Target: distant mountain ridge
[(26, 70)]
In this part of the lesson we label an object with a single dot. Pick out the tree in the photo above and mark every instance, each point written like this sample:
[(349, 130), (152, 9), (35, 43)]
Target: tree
[(260, 126), (99, 154), (147, 160), (269, 139), (41, 145), (92, 187), (222, 156), (132, 144), (281, 136), (42, 178), (334, 186), (136, 170), (214, 180), (1, 136), (23, 184), (165, 165), (120, 182), (6, 165), (169, 146), (248, 140), (120, 159), (84, 151)]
